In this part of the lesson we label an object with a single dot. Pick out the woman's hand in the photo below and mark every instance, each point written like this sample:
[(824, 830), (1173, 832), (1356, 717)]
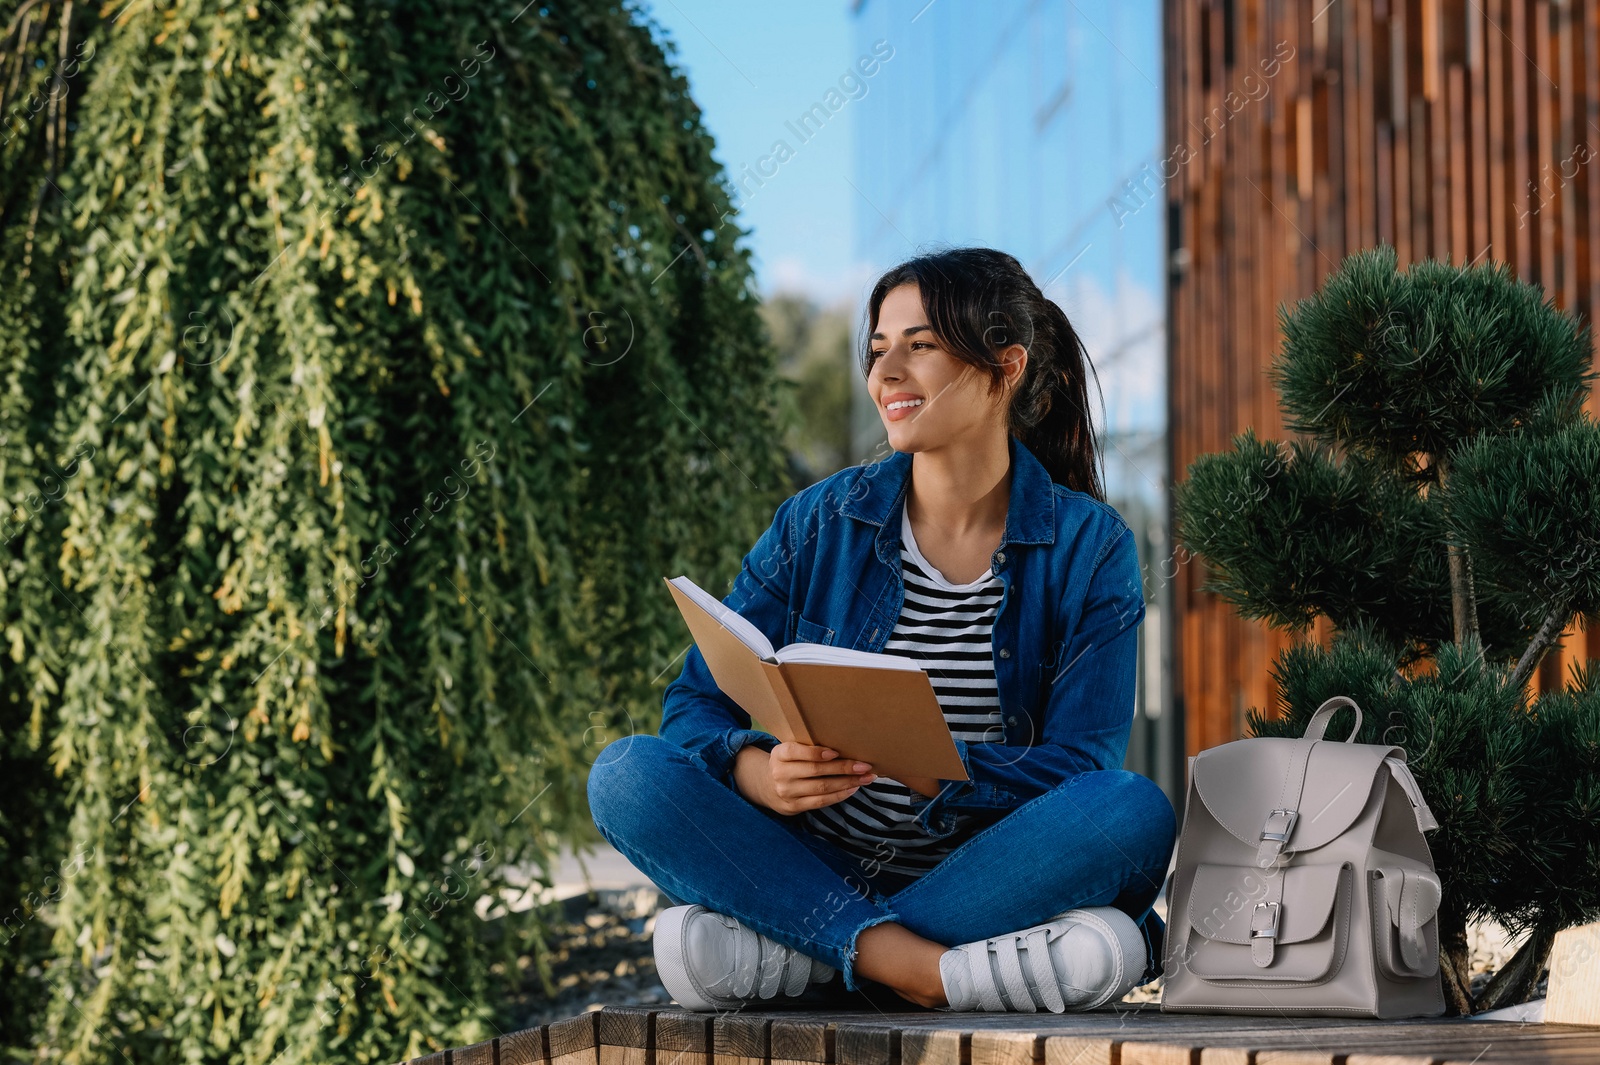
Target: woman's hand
[(795, 777)]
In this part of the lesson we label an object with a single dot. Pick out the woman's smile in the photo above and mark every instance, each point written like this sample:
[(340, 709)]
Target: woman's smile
[(898, 405)]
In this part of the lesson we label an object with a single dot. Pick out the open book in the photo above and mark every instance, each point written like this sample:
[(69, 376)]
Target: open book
[(877, 708)]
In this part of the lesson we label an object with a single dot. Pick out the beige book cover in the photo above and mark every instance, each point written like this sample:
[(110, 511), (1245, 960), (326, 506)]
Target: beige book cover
[(875, 708)]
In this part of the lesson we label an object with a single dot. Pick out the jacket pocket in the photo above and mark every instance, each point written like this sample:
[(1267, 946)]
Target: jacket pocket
[(810, 632), (1244, 931)]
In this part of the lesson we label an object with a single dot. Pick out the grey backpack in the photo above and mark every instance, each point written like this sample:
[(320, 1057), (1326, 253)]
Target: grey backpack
[(1303, 883)]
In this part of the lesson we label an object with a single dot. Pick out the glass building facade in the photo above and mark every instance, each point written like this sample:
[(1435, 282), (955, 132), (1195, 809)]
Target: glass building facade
[(1036, 128)]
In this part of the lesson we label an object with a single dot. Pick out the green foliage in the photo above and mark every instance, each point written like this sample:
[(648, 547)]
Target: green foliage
[(1293, 531), (400, 350), (1391, 364), (1527, 505)]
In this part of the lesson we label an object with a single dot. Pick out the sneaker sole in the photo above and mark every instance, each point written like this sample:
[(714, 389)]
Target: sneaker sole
[(667, 945)]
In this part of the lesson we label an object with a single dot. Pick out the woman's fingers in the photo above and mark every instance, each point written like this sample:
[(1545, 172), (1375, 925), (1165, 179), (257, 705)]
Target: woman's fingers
[(815, 802), (804, 787), (817, 761), (806, 777), (819, 801)]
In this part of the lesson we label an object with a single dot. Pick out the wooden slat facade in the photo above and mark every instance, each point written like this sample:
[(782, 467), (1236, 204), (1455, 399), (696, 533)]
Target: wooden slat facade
[(1122, 1035), (1311, 129)]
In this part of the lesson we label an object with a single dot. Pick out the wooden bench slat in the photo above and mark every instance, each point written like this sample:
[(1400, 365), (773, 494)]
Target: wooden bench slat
[(795, 1041), (574, 1041), (477, 1054), (524, 1048)]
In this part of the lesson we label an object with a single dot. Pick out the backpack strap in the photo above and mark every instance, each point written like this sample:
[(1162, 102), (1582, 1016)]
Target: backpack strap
[(1280, 822), (1319, 720), (1419, 806), (1318, 725), (1264, 923)]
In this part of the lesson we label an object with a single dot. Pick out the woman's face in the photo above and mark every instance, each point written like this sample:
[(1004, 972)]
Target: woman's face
[(925, 395)]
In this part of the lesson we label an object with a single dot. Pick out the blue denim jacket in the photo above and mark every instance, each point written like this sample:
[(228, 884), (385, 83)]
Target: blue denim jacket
[(1065, 646)]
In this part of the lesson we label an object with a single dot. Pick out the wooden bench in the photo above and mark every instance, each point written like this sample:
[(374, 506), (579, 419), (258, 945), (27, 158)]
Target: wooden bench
[(1125, 1035)]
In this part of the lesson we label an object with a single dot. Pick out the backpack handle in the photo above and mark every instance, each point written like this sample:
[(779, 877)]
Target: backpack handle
[(1319, 720)]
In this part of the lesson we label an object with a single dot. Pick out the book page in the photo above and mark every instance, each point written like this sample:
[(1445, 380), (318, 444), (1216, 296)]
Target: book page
[(731, 620), (822, 654)]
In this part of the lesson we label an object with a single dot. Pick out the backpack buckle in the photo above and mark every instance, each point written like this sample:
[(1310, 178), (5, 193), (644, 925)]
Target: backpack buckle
[(1263, 941), (1280, 835)]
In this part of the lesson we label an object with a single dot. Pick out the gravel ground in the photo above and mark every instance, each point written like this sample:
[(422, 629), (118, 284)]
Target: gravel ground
[(602, 956)]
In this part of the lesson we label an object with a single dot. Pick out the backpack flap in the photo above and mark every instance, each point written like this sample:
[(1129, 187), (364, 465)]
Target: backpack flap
[(1281, 795), (1286, 924)]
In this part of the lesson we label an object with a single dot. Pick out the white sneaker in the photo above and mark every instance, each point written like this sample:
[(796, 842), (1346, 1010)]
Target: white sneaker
[(1076, 961), (709, 961)]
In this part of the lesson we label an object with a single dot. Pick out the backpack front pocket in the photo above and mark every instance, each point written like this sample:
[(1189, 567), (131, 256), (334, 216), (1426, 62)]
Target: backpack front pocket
[(1250, 926)]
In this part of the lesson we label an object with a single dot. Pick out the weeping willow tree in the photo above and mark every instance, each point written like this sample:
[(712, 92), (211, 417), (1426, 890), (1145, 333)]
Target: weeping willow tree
[(366, 366)]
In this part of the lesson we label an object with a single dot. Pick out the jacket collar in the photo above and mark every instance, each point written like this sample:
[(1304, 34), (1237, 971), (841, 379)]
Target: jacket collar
[(878, 491)]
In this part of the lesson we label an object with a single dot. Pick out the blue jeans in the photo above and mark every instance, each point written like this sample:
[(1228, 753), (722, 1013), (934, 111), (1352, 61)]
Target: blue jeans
[(1102, 838)]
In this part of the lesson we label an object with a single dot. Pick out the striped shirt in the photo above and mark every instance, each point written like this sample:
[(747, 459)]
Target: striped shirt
[(949, 629)]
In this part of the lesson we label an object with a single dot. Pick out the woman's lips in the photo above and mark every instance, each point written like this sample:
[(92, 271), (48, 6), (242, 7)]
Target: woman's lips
[(896, 413)]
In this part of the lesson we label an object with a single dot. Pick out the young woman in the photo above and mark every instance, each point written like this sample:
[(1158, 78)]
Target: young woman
[(983, 548)]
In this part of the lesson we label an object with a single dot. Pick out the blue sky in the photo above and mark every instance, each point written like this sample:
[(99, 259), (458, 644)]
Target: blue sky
[(1014, 126), (752, 66)]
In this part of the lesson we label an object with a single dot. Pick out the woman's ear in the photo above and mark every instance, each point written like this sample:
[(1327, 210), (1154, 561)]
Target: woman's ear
[(1014, 364)]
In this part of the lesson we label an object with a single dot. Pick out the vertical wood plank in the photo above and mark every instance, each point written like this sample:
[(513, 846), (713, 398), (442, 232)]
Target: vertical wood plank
[(740, 1039), (1226, 1056), (1139, 1052), (1494, 49), (1479, 238), (800, 1042), (1297, 1057), (1522, 250), (682, 1038), (933, 1046), (1400, 111), (1081, 1050), (527, 1047), (477, 1054), (625, 1035), (1457, 87), (1545, 153), (1007, 1048), (864, 1044), (574, 1041)]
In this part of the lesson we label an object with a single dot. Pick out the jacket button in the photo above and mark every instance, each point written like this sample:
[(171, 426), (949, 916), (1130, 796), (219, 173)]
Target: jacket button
[(1000, 556), (1005, 652), (1012, 720)]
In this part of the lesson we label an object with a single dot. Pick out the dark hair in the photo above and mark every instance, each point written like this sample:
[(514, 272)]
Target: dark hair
[(980, 301)]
